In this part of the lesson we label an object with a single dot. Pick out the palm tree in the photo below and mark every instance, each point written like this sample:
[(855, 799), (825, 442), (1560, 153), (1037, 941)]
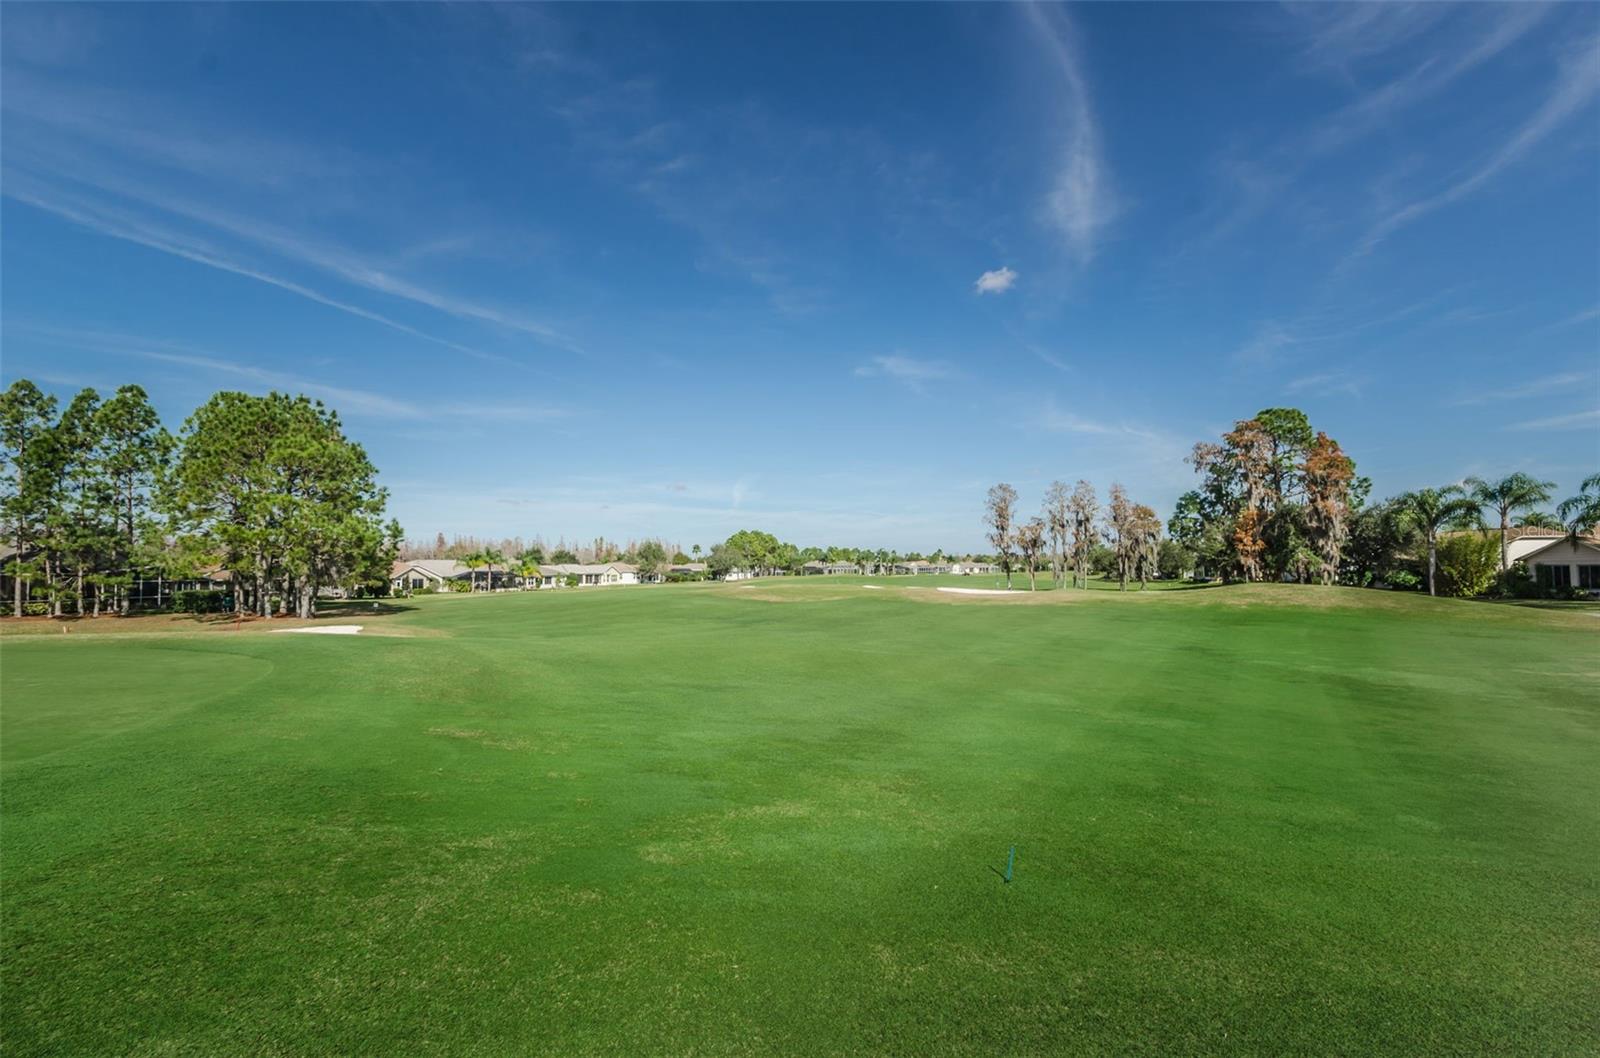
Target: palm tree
[(474, 562), (1582, 511), (1427, 511), (527, 566), (1516, 492), (491, 558), (1539, 520)]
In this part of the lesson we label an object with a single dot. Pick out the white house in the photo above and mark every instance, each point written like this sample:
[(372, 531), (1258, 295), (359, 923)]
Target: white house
[(971, 569), (1521, 543), (1566, 563), (589, 574)]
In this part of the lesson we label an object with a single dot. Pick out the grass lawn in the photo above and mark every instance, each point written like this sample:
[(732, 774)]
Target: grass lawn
[(766, 818)]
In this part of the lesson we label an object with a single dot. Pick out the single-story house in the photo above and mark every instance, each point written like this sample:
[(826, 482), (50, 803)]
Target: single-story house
[(972, 569), (1520, 543), (818, 567), (436, 574), (426, 574), (1566, 563), (589, 574)]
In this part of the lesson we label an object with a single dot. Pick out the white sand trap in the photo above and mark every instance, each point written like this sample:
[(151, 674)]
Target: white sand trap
[(326, 630), (982, 591), (873, 587)]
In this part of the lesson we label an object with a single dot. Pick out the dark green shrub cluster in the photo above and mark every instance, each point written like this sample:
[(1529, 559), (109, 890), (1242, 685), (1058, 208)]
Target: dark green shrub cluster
[(200, 600)]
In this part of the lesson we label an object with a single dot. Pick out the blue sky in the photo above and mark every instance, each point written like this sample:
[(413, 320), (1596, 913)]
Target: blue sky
[(824, 270)]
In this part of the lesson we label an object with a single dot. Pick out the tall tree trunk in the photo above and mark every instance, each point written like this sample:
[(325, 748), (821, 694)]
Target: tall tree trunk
[(126, 601), (80, 591), (51, 571), (17, 581), (1433, 552), (1505, 562)]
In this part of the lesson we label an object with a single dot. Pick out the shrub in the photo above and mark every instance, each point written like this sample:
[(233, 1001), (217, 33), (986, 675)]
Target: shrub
[(461, 585), (1403, 580), (572, 580), (1519, 583), (200, 600), (1468, 564), (36, 609)]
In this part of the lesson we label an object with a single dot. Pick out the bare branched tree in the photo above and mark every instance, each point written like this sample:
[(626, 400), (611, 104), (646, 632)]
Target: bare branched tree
[(1120, 533), (1000, 513), (1058, 521), (1145, 530), (1031, 540), (1084, 511)]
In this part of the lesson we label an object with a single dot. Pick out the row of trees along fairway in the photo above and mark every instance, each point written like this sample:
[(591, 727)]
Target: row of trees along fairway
[(268, 489), (1070, 530), (1281, 501)]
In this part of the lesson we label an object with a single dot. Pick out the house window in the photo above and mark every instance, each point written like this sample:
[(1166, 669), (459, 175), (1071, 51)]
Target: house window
[(1551, 576), (1589, 576)]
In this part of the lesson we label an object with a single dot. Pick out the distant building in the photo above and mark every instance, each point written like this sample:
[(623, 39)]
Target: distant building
[(437, 574), (426, 574), (817, 567), (589, 574)]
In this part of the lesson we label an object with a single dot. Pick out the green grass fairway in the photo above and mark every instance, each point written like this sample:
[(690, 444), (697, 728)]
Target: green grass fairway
[(767, 818)]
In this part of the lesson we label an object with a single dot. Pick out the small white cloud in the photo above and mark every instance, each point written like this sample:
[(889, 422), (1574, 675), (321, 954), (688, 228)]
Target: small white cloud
[(996, 282)]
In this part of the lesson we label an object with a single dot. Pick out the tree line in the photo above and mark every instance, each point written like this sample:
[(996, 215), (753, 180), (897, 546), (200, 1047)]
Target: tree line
[(1281, 501), (760, 553), (99, 497), (600, 549), (1074, 535)]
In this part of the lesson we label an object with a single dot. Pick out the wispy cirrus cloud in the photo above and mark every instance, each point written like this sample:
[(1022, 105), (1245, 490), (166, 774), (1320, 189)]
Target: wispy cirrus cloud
[(1325, 384), (1340, 36), (906, 370), (345, 399), (1081, 201), (99, 161), (1263, 347), (1428, 78), (1435, 47), (1495, 392), (995, 281), (1575, 421), (1584, 316), (1576, 85), (129, 229)]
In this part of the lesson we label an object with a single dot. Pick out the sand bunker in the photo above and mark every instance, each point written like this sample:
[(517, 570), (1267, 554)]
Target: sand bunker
[(982, 591), (873, 587), (326, 630)]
